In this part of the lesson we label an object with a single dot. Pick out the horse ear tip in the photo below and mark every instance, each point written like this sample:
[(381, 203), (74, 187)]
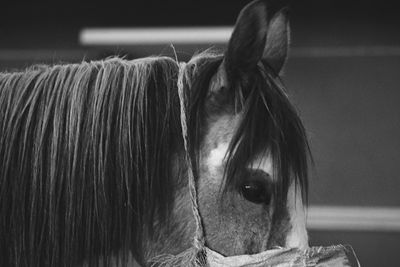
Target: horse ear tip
[(266, 8), (253, 8), (285, 12)]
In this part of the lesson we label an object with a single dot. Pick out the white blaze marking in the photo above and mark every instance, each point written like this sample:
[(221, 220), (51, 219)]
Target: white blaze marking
[(297, 237), (216, 157)]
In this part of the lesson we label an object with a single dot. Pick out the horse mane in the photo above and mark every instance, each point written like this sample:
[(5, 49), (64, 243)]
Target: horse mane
[(85, 156)]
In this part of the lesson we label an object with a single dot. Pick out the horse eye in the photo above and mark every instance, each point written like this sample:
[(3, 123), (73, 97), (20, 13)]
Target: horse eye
[(256, 192)]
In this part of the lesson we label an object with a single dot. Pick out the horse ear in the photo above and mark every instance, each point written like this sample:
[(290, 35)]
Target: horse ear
[(278, 40), (246, 45), (256, 36)]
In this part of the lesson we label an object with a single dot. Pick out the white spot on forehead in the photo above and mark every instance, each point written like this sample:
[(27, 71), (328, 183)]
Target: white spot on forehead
[(217, 155)]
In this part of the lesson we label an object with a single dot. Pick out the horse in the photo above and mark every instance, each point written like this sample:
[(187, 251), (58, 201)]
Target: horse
[(92, 159)]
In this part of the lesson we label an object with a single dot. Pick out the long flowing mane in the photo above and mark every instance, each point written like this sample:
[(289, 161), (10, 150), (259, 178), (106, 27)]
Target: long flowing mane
[(83, 148)]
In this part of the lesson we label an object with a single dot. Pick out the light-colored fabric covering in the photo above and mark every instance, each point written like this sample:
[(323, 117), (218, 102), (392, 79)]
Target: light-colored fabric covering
[(333, 256)]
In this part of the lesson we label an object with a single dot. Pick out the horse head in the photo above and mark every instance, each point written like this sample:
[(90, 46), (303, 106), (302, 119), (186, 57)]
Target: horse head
[(249, 145)]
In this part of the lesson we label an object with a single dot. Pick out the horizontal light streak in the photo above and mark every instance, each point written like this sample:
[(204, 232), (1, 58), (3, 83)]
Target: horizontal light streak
[(354, 218), (154, 36)]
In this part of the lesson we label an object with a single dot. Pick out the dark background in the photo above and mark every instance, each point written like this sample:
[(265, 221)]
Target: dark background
[(57, 23), (343, 75)]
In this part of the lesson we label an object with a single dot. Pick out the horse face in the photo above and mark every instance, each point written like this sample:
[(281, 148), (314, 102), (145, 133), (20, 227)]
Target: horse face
[(244, 221)]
